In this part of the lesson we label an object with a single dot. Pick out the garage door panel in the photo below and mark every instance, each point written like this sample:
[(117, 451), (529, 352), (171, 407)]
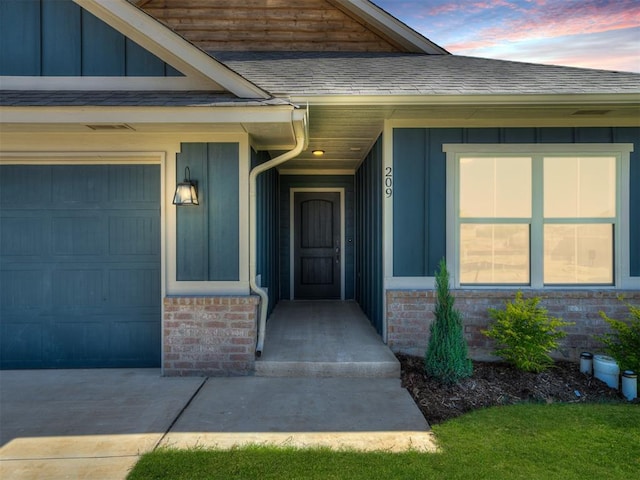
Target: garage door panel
[(134, 287), (23, 290), (80, 340), (80, 266), (78, 288), (80, 185), (22, 342), (127, 337), (26, 185), (20, 236), (79, 235), (134, 235), (134, 183)]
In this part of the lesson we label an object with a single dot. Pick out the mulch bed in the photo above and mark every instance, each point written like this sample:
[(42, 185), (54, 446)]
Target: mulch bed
[(497, 383)]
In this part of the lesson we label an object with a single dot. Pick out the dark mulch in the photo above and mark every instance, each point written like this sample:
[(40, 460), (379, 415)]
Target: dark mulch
[(497, 383)]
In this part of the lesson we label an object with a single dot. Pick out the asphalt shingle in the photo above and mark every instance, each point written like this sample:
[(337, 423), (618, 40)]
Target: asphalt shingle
[(335, 73)]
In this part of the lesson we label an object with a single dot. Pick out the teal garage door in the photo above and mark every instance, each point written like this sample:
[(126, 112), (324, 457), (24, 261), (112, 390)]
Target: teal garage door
[(79, 266)]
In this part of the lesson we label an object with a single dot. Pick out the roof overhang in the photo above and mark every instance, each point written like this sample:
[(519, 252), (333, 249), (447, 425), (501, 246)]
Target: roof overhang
[(269, 127), (170, 47), (630, 99), (390, 26)]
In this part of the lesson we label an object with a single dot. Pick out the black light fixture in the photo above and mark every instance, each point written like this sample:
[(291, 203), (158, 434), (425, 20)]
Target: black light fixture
[(186, 191)]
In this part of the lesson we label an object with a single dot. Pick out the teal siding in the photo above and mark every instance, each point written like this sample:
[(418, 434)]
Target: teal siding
[(19, 45), (268, 232), (80, 266), (208, 234), (315, 181), (368, 221), (632, 135), (420, 181), (61, 53), (418, 198), (59, 38)]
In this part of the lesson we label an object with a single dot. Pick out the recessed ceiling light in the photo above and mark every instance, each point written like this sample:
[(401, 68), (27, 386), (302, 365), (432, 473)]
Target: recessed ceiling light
[(355, 149), (318, 153)]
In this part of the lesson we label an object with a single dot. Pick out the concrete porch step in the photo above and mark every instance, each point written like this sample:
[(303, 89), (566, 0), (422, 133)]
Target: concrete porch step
[(324, 339), (381, 369)]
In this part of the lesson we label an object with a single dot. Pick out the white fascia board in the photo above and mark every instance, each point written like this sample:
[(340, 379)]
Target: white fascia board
[(390, 25), (169, 46), (109, 83), (161, 115), (630, 99)]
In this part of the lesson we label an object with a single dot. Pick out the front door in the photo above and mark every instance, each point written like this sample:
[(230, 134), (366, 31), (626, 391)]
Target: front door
[(317, 240)]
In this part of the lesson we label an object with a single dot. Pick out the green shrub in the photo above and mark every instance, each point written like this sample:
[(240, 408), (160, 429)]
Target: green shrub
[(623, 344), (446, 355), (525, 333)]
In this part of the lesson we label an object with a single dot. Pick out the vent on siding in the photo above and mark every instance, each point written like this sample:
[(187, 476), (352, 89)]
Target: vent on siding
[(591, 112), (110, 126)]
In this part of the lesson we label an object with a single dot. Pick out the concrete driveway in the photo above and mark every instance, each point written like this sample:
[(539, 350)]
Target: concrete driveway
[(85, 424), (94, 424)]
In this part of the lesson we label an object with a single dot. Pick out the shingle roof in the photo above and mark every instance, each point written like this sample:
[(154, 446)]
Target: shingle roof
[(38, 98), (333, 73)]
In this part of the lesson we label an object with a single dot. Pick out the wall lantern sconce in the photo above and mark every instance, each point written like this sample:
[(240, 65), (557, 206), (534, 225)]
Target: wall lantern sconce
[(186, 191)]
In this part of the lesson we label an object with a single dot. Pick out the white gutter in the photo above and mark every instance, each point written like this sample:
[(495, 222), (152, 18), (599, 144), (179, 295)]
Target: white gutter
[(299, 125)]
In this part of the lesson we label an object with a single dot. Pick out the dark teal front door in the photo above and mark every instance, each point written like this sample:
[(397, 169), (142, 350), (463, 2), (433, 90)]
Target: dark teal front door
[(79, 266)]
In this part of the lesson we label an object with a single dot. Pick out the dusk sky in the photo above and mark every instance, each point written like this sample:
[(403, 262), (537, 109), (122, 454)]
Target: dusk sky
[(601, 34)]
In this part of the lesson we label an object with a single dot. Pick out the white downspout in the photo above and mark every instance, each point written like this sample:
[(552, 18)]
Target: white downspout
[(299, 124)]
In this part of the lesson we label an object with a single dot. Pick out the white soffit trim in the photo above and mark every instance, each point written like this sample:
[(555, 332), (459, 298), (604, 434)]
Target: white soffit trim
[(391, 26), (169, 46), (153, 115), (630, 99)]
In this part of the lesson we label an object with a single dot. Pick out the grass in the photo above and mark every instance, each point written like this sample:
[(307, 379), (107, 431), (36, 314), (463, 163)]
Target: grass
[(528, 441)]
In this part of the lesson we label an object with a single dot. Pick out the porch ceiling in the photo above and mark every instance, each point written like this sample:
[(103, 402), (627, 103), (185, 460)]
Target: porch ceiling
[(347, 132)]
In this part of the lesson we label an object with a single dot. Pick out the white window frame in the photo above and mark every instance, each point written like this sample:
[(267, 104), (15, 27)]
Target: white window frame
[(620, 151)]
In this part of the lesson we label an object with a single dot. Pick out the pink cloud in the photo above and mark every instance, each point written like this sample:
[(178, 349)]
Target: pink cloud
[(556, 19)]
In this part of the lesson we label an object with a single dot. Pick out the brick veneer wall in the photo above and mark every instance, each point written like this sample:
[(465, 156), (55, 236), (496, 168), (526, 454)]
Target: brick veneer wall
[(209, 336), (410, 313)]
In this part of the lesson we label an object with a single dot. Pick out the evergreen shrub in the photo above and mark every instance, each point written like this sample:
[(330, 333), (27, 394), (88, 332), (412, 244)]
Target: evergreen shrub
[(446, 355)]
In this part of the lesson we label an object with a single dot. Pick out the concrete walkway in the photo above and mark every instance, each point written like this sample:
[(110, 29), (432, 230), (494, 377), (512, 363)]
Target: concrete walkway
[(94, 424), (324, 339)]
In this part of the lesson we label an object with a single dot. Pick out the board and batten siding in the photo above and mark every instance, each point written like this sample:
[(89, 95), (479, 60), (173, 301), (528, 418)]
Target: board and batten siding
[(276, 25), (419, 167), (267, 231), (368, 208), (59, 38), (208, 234)]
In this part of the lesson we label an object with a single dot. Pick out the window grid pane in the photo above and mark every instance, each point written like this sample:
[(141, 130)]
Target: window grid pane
[(495, 187), (579, 187), (494, 254), (578, 254)]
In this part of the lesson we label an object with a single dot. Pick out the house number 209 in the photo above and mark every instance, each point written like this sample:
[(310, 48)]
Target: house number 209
[(388, 181)]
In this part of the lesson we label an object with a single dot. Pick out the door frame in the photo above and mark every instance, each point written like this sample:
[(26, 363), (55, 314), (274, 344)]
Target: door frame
[(292, 226)]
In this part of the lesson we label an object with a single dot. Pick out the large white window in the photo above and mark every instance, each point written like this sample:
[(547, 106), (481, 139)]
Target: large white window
[(537, 215)]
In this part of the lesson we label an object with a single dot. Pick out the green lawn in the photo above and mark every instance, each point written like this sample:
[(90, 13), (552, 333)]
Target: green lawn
[(529, 441)]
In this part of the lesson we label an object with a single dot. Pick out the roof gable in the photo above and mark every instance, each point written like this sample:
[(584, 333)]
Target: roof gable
[(282, 25)]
